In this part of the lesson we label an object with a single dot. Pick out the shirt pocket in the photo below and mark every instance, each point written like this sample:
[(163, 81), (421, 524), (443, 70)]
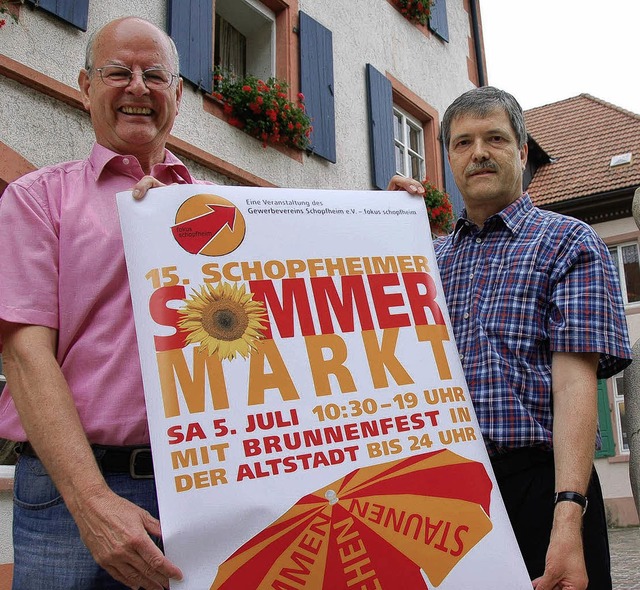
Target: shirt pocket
[(513, 303)]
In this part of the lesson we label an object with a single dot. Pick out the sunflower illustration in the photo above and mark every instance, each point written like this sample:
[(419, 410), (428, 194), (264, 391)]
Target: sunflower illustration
[(223, 319)]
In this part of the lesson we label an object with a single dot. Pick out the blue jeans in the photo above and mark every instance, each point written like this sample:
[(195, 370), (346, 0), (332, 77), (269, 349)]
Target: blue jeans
[(48, 551)]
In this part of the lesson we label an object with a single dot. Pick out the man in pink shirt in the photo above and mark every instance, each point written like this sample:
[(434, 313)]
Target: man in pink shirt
[(85, 507), (85, 502)]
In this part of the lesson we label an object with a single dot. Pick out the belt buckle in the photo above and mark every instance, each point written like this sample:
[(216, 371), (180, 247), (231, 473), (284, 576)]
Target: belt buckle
[(132, 464)]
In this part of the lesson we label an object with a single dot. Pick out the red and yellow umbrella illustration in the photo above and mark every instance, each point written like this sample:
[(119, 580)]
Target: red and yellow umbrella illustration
[(375, 528)]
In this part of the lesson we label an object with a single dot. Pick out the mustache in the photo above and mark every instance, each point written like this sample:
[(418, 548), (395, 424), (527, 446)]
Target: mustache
[(486, 165)]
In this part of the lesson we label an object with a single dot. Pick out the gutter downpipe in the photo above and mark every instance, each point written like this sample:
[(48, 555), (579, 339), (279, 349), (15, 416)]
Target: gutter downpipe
[(477, 45)]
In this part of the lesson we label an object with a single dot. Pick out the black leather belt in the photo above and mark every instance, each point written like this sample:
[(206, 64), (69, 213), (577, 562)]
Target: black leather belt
[(135, 460)]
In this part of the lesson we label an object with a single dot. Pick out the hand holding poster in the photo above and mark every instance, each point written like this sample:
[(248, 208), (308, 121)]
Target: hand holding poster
[(310, 422)]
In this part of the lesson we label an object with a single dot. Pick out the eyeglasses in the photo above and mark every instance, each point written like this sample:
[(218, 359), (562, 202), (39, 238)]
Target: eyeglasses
[(120, 76)]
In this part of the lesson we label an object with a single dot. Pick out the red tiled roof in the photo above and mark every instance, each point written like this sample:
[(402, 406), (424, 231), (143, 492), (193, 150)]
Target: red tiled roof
[(583, 133)]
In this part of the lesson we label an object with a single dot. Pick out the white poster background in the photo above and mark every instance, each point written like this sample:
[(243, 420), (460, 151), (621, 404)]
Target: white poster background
[(203, 526)]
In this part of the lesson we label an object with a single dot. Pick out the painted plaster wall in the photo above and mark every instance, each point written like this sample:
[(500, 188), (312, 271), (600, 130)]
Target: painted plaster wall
[(364, 31), (40, 128)]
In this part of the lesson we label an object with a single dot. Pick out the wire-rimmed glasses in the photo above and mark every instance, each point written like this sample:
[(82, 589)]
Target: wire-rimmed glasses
[(121, 76)]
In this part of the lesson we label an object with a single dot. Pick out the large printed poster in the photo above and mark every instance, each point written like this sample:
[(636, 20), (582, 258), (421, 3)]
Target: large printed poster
[(310, 422)]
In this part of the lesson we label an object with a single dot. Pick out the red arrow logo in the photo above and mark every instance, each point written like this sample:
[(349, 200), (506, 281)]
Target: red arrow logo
[(195, 233)]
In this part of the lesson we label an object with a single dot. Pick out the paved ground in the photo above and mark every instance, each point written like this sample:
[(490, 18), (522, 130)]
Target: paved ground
[(625, 558)]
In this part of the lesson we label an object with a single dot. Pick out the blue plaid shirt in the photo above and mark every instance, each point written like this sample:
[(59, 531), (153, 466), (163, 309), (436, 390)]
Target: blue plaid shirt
[(529, 283)]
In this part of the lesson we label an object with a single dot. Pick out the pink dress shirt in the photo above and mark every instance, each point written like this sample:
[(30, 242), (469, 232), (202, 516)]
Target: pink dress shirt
[(62, 266)]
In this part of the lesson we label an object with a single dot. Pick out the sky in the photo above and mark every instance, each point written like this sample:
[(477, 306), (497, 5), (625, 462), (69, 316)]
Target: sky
[(543, 51)]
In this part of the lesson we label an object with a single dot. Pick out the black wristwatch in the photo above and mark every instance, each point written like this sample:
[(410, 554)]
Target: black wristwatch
[(571, 497)]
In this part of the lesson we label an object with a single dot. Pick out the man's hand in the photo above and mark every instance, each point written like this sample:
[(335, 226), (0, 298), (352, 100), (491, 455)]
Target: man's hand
[(115, 530), (117, 534), (564, 566), (402, 183), (143, 185)]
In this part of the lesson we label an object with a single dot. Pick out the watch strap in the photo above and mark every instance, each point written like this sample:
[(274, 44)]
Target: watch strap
[(572, 497)]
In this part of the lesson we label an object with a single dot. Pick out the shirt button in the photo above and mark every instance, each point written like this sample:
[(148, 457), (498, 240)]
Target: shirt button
[(461, 356), (478, 240), (125, 161), (471, 276), (466, 316)]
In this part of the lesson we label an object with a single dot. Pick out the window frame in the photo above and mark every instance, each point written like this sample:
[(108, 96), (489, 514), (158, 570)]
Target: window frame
[(407, 123), (617, 384), (287, 47), (422, 112), (267, 68), (617, 259)]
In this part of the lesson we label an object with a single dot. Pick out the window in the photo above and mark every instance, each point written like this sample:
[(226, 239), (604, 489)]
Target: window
[(257, 36), (627, 261), (621, 420), (403, 131), (409, 145), (245, 38)]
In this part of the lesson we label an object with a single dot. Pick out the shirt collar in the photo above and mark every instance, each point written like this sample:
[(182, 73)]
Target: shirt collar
[(101, 158), (512, 217)]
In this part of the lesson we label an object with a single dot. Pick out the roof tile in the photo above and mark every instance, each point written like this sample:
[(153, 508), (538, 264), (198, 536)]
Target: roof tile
[(582, 134)]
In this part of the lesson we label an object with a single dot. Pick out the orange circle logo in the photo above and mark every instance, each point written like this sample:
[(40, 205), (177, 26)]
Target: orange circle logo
[(209, 225)]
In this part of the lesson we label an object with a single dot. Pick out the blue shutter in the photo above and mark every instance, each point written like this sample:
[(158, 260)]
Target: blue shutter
[(191, 28), (316, 83), (451, 187), (75, 12), (438, 22), (380, 127), (608, 446)]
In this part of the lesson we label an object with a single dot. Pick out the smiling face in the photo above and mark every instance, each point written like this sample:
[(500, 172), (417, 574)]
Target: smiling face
[(487, 163), (131, 120)]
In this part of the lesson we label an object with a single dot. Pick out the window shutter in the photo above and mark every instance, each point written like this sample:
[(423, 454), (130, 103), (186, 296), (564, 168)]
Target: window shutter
[(450, 186), (438, 22), (191, 28), (316, 83), (75, 12), (608, 447), (380, 127)]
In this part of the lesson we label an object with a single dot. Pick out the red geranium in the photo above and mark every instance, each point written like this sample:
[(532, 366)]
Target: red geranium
[(416, 11), (263, 109), (439, 208)]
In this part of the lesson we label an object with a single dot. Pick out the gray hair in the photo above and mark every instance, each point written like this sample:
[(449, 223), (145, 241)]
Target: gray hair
[(88, 57), (479, 102)]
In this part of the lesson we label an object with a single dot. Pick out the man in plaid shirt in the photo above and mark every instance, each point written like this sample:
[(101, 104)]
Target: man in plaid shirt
[(538, 318)]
